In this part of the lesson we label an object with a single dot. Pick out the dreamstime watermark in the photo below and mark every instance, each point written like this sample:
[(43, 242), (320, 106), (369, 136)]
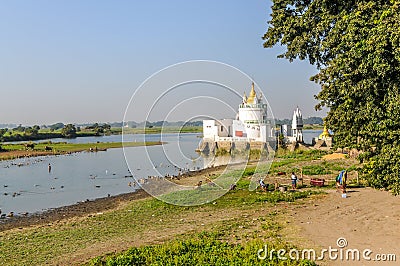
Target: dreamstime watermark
[(190, 92), (339, 253)]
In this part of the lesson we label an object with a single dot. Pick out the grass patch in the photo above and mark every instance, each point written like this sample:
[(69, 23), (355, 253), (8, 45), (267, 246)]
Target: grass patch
[(202, 249), (74, 147), (304, 155), (315, 170)]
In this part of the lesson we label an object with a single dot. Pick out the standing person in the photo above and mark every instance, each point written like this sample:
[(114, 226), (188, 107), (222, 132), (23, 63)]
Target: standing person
[(341, 180), (49, 167), (294, 180)]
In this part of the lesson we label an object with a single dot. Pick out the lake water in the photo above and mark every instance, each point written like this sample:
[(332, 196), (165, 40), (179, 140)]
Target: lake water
[(90, 175), (27, 186), (308, 135)]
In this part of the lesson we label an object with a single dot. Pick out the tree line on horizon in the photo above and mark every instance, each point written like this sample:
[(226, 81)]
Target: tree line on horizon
[(314, 120)]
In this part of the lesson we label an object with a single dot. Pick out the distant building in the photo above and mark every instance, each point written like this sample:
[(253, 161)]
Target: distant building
[(325, 139), (250, 126), (296, 134), (251, 123), (286, 131)]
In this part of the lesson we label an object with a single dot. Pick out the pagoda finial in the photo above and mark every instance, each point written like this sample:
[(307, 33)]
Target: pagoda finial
[(252, 95)]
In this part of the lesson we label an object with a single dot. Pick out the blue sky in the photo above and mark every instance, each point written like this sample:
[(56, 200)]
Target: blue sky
[(80, 61)]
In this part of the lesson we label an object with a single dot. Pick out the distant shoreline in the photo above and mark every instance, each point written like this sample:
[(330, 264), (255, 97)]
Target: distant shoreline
[(113, 131), (21, 150)]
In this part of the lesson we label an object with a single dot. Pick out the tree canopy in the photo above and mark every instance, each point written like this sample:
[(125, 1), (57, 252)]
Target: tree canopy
[(355, 45), (68, 131)]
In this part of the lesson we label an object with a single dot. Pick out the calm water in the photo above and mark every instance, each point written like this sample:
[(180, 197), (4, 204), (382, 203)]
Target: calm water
[(86, 175), (27, 186), (308, 135)]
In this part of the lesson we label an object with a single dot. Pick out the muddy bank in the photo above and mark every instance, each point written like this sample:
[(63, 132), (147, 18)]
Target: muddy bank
[(76, 210)]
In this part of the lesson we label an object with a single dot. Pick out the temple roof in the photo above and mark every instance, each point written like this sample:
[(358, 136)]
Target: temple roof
[(297, 121)]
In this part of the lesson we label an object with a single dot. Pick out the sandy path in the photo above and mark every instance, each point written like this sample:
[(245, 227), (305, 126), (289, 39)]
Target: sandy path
[(367, 219)]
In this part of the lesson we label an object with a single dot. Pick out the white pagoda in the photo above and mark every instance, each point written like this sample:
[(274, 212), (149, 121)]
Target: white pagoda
[(297, 125), (251, 123)]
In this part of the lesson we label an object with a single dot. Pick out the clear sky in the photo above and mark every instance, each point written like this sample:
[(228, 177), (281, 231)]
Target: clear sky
[(80, 61)]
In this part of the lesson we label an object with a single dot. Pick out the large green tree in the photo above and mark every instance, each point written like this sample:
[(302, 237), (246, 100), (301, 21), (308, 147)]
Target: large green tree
[(355, 45)]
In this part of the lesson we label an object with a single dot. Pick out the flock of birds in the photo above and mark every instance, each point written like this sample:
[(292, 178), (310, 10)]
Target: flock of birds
[(134, 184)]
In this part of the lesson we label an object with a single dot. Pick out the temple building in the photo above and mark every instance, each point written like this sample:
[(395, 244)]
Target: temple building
[(325, 139), (250, 125), (297, 126), (294, 132)]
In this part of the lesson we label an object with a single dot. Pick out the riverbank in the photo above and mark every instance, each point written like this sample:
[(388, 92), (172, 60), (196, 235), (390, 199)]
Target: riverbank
[(13, 151), (136, 219), (81, 209), (238, 218)]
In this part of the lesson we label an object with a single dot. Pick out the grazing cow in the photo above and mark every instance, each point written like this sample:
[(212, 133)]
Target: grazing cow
[(48, 148)]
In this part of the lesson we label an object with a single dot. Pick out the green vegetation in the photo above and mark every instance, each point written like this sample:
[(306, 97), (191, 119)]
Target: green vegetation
[(59, 130), (315, 170), (355, 46), (313, 127), (300, 154), (212, 247), (202, 249), (308, 162), (69, 131)]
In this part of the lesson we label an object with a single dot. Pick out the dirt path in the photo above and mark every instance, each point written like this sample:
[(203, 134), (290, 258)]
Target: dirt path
[(367, 219)]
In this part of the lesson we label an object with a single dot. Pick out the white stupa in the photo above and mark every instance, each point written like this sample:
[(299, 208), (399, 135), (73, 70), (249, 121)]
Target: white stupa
[(297, 125), (251, 123)]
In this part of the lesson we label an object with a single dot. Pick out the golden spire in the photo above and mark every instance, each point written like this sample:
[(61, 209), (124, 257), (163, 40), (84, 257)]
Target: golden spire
[(325, 134), (252, 95)]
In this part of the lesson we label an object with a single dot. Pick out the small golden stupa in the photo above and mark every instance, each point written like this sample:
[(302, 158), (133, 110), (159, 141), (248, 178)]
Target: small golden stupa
[(325, 134)]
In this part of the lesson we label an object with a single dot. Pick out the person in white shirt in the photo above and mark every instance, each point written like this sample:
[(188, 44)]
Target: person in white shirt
[(294, 180)]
